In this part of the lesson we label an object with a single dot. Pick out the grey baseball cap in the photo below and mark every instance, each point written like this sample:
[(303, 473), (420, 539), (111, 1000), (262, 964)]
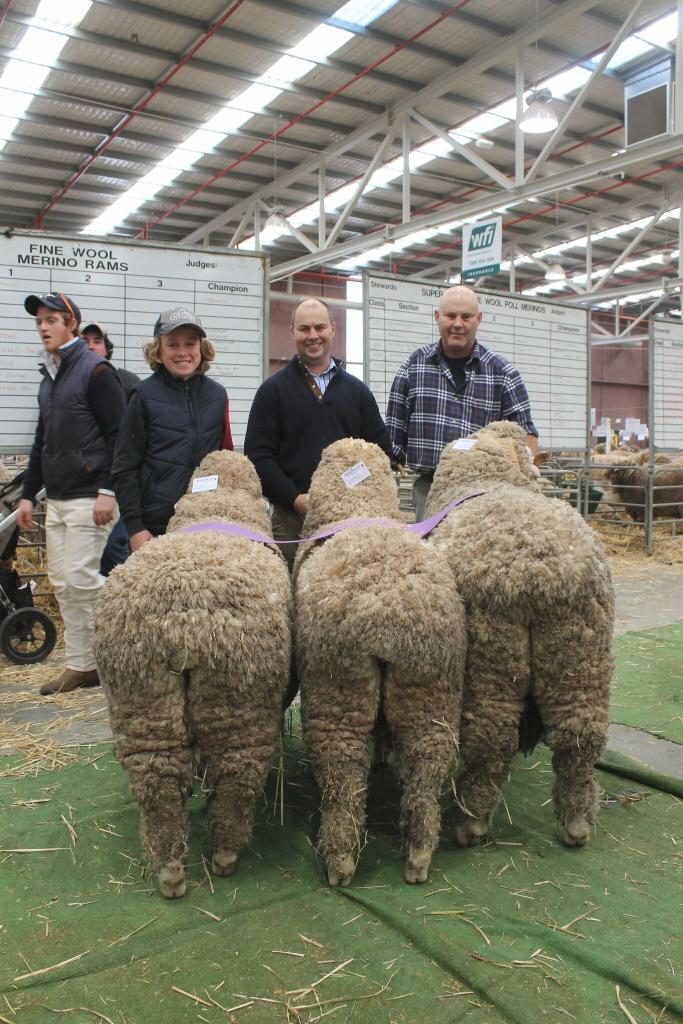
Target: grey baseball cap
[(181, 316)]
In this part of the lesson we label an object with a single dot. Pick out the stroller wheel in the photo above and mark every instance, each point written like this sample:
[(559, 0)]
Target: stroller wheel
[(27, 635)]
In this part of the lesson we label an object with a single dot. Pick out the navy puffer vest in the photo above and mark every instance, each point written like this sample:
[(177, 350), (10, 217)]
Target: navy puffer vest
[(74, 449), (184, 423)]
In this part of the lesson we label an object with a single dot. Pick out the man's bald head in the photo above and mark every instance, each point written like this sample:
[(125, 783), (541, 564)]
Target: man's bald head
[(313, 332), (460, 292), (458, 318), (307, 306)]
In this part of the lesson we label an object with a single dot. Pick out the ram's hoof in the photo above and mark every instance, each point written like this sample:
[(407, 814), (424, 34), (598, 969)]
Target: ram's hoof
[(340, 873), (172, 881), (470, 830), (223, 863), (417, 863), (576, 832)]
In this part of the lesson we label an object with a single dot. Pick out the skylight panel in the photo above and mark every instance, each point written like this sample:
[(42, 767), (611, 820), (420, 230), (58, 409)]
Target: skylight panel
[(12, 104), (39, 46), (32, 58), (321, 42), (287, 70), (630, 49), (202, 141), (507, 110), (306, 214), (362, 12), (257, 96), (661, 32), (483, 123), (25, 78), (7, 126), (227, 120), (64, 13), (567, 82)]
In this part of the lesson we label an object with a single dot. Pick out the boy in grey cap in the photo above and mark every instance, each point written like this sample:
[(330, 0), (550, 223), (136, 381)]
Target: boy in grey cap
[(81, 404), (174, 418)]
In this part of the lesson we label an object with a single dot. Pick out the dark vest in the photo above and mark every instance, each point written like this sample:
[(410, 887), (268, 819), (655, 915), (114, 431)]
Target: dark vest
[(74, 449), (184, 423)]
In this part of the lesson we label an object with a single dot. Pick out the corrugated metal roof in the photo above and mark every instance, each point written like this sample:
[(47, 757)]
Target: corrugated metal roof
[(123, 50)]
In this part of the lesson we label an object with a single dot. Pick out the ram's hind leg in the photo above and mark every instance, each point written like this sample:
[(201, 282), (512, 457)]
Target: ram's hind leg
[(572, 669), (153, 746), (496, 680), (236, 732), (338, 716), (423, 716)]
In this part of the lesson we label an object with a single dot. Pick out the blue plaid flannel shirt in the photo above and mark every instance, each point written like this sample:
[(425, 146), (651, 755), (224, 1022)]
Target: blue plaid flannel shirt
[(425, 412)]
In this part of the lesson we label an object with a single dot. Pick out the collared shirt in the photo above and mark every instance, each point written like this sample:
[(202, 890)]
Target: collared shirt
[(50, 363), (426, 411), (324, 378)]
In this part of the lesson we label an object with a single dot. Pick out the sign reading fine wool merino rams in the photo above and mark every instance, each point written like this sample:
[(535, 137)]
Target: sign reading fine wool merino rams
[(125, 287), (482, 248), (548, 342)]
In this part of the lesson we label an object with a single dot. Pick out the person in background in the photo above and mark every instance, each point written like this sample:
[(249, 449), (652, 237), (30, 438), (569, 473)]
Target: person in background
[(97, 340), (116, 550), (449, 389), (300, 410), (81, 405), (174, 418)]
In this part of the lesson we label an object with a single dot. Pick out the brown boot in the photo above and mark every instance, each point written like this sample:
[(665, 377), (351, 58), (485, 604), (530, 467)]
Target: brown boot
[(70, 679)]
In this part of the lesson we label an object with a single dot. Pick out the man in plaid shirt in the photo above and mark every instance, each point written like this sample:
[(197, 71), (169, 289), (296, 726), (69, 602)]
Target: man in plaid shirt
[(450, 389)]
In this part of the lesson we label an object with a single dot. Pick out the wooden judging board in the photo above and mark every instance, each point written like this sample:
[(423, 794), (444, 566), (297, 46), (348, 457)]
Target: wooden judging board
[(125, 287), (548, 342), (666, 384)]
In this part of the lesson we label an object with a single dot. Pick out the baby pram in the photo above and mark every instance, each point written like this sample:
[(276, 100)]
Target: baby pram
[(27, 634)]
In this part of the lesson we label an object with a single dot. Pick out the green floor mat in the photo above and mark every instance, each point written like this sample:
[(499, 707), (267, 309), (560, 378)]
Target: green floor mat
[(647, 688), (518, 931)]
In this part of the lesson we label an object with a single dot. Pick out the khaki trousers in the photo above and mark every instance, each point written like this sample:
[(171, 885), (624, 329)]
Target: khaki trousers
[(74, 550)]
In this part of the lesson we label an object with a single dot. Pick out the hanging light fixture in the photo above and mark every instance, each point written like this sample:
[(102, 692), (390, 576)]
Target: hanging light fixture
[(555, 272), (276, 220), (539, 116)]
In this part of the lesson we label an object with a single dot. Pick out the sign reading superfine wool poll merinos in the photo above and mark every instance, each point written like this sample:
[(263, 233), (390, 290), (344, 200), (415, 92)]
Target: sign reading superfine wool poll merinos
[(482, 248), (125, 287), (548, 342)]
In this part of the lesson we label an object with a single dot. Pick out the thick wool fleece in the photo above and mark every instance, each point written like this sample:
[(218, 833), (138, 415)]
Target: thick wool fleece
[(630, 484), (540, 608), (373, 605), (193, 649)]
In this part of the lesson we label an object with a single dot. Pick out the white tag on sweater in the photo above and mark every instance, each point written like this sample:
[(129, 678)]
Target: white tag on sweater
[(463, 444), (353, 476), (204, 483)]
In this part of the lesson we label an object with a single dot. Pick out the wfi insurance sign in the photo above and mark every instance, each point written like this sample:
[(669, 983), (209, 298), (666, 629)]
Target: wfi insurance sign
[(482, 247)]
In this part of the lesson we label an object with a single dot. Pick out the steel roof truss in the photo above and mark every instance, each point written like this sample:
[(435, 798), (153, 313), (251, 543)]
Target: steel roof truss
[(582, 93), (479, 162)]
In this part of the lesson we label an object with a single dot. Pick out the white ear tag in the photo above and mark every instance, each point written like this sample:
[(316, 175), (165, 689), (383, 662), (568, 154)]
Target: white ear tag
[(355, 475), (463, 444), (204, 483)]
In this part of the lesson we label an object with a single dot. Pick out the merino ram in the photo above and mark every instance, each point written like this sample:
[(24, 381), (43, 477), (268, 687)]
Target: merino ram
[(540, 607), (373, 606), (193, 650)]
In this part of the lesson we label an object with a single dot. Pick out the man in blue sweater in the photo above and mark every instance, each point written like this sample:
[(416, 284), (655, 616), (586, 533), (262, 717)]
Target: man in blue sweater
[(300, 410)]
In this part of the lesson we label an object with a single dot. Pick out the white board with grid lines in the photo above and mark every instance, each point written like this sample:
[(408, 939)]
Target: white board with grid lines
[(666, 400), (548, 342), (125, 286)]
